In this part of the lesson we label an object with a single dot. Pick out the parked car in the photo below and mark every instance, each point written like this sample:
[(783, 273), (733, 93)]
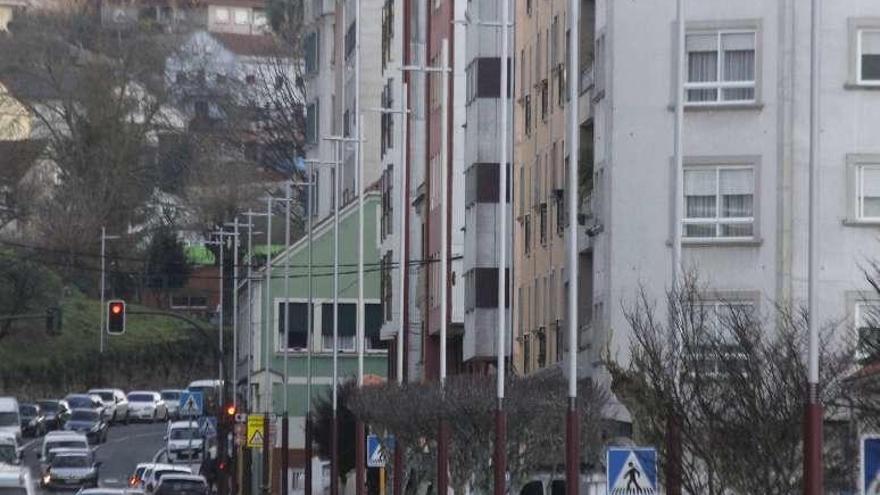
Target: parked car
[(10, 418), (33, 423), (147, 406), (184, 442), (10, 450), (137, 476), (16, 480), (153, 474), (56, 413), (86, 401), (108, 491), (172, 401), (181, 484), (115, 402), (71, 469), (89, 423)]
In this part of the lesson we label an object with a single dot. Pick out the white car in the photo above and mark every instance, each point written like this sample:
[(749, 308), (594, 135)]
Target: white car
[(16, 480), (184, 442), (181, 483), (62, 440), (115, 403), (10, 450), (146, 405), (10, 419), (154, 473), (171, 396)]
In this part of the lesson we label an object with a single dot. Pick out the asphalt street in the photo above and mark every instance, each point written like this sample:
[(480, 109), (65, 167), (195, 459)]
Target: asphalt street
[(126, 446)]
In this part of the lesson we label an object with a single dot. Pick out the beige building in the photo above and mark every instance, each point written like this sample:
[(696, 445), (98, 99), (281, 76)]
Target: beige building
[(7, 10), (540, 163)]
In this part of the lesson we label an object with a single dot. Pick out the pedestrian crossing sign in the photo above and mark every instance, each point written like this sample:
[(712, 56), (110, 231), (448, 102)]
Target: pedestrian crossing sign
[(631, 471), (377, 456), (190, 404), (870, 466)]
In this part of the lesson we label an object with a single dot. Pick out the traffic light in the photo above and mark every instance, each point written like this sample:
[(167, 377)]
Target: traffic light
[(230, 411), (53, 320), (116, 317)]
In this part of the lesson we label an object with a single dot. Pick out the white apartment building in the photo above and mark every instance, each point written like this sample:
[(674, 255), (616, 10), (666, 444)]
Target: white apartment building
[(746, 142)]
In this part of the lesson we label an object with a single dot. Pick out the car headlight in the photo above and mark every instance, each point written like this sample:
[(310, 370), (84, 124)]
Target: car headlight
[(47, 478)]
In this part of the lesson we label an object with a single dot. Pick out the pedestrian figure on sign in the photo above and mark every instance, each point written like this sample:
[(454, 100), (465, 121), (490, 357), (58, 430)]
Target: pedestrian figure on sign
[(631, 474)]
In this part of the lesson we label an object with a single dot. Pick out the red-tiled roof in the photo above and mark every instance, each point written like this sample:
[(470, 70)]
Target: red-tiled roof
[(254, 45)]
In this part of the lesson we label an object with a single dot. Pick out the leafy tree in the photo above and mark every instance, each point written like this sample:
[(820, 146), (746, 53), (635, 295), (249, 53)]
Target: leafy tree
[(167, 263), (25, 287)]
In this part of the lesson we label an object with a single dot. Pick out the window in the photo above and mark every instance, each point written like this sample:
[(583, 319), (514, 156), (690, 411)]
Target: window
[(386, 227), (313, 125), (720, 67), (868, 192), (350, 39), (260, 19), (719, 318), (542, 348), (869, 56), (719, 202), (312, 52), (527, 235), (297, 324), (387, 118), (481, 184), (545, 99), (484, 78), (481, 289), (241, 16), (527, 354), (184, 301), (386, 288), (867, 327), (387, 31), (542, 224), (221, 15), (347, 329), (527, 114)]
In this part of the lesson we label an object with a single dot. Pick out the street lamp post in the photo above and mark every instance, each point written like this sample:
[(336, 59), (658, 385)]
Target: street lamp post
[(572, 445), (104, 239)]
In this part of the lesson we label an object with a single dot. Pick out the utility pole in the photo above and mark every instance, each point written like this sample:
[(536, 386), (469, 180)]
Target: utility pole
[(813, 466), (572, 444), (267, 394), (285, 425)]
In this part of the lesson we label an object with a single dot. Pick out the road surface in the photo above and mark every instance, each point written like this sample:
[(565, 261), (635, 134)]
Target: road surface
[(126, 446)]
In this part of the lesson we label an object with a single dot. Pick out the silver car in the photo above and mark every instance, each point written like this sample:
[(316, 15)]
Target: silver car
[(115, 403), (171, 396), (72, 469), (147, 405)]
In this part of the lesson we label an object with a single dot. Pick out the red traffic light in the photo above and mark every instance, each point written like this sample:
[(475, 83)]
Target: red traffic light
[(230, 410), (116, 317)]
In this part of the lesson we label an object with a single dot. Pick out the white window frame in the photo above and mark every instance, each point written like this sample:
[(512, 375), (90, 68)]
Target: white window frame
[(714, 307), (241, 21), (860, 192), (719, 84), (718, 221), (859, 80), (222, 19)]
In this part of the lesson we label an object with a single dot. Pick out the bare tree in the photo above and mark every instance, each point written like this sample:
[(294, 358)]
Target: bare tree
[(733, 380), (536, 417)]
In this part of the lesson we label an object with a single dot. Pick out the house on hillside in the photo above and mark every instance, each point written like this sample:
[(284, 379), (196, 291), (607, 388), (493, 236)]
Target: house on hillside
[(261, 325), (8, 9)]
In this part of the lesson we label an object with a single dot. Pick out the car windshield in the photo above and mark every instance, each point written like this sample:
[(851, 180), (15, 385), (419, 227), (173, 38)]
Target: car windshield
[(80, 401), (66, 444), (140, 398), (9, 418), (8, 455), (27, 411), (13, 490), (49, 406), (105, 396), (184, 434), (172, 396), (70, 461), (81, 415)]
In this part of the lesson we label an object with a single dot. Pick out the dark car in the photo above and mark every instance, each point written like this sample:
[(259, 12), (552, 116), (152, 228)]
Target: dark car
[(71, 470), (55, 412), (33, 422), (90, 423), (85, 401)]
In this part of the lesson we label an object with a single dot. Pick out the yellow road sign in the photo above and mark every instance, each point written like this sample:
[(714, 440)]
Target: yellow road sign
[(255, 424)]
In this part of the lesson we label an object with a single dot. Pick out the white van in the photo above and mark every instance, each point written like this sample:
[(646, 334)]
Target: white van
[(10, 420)]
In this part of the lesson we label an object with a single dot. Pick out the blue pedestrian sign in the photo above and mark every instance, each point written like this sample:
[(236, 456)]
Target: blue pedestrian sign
[(377, 455), (209, 426), (631, 471), (191, 404), (869, 481)]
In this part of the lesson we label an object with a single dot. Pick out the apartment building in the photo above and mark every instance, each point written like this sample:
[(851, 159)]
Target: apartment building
[(245, 17), (745, 149), (540, 164), (7, 11)]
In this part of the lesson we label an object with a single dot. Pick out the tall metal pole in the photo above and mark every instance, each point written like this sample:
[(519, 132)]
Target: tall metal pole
[(235, 257), (500, 464), (220, 326), (285, 425), (334, 437), (442, 441), (250, 258), (404, 195), (813, 475), (308, 432), (360, 429), (103, 271), (267, 394), (572, 451)]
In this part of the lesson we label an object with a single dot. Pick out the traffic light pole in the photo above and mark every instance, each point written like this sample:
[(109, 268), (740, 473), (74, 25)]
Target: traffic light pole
[(104, 239)]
